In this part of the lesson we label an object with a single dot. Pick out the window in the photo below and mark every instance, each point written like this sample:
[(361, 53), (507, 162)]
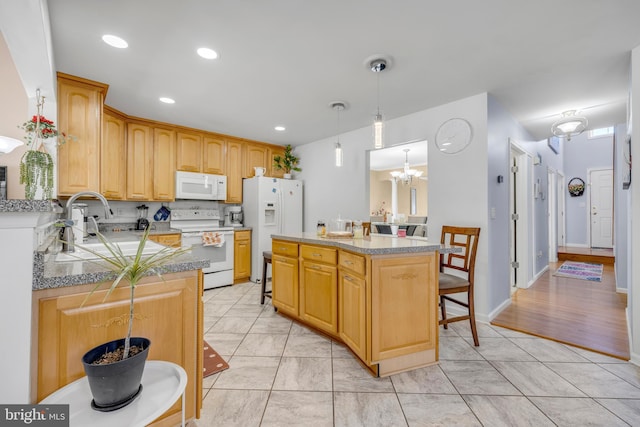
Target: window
[(599, 133)]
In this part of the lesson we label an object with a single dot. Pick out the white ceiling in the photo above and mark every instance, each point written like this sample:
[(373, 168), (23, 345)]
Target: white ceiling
[(282, 62)]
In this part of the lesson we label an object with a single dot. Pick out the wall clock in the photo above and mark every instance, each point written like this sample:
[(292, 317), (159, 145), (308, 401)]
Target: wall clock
[(454, 135)]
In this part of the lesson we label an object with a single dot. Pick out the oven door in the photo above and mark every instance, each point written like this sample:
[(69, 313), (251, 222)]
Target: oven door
[(221, 258)]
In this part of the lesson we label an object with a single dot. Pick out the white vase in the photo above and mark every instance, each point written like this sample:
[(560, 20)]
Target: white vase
[(287, 176)]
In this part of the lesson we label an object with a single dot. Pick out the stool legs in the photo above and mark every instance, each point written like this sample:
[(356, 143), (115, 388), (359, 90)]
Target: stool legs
[(265, 293)]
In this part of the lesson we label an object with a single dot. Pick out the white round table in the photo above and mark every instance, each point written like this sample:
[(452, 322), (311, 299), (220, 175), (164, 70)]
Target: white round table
[(162, 384)]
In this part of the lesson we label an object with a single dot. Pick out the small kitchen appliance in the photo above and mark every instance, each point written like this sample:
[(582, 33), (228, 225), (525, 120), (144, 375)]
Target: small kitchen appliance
[(233, 216), (142, 222)]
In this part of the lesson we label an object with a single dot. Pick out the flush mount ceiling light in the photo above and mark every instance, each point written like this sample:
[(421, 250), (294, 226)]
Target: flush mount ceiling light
[(338, 106), (280, 128), (207, 53), (377, 65), (569, 125), (115, 41), (167, 100), (407, 174)]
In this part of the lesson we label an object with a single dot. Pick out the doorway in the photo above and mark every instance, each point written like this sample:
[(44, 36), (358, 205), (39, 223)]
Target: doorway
[(601, 208), (519, 216)]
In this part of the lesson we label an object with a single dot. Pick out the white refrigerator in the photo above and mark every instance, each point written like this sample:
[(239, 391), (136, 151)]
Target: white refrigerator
[(270, 206)]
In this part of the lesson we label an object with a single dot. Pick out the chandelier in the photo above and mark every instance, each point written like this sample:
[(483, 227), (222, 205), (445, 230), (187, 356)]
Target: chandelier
[(569, 125), (407, 174)]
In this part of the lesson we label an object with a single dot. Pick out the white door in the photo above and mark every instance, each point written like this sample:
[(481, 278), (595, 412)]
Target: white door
[(601, 209)]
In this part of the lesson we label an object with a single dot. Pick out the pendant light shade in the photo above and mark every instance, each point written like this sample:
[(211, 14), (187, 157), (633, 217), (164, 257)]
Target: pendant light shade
[(338, 154), (378, 127), (407, 174), (377, 65), (338, 106), (569, 125)]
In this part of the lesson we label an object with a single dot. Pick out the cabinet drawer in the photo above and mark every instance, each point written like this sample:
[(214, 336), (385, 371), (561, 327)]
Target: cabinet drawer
[(352, 262), (242, 235), (315, 253), (284, 248)]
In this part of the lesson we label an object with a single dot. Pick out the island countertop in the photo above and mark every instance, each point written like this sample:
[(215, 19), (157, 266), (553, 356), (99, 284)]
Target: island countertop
[(375, 244)]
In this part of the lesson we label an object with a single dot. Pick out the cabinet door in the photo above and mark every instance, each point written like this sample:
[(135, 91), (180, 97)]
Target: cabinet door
[(319, 295), (172, 240), (256, 155), (139, 162), (234, 171), (284, 284), (189, 152), (165, 313), (242, 255), (403, 306), (79, 115), (214, 155), (164, 164), (113, 155), (352, 312), (271, 170)]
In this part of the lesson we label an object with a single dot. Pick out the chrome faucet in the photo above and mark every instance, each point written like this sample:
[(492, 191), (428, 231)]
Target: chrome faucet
[(68, 238)]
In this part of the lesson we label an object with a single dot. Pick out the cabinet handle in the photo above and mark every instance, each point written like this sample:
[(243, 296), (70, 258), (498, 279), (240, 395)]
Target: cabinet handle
[(283, 248), (346, 261), (348, 278), (315, 267), (316, 254)]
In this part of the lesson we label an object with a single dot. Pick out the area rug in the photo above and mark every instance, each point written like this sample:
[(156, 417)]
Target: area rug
[(580, 270), (212, 362)]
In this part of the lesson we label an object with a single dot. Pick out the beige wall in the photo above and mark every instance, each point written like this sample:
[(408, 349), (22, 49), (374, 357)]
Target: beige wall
[(14, 107), (380, 191)]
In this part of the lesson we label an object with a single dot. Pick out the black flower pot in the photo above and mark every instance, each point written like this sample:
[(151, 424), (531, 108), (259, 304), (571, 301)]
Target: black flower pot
[(117, 384)]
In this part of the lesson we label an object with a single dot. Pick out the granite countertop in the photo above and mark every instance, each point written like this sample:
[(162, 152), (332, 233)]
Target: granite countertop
[(49, 273), (380, 244)]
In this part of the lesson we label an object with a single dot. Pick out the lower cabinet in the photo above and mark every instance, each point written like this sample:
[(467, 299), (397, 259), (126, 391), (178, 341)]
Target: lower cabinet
[(352, 300), (168, 312), (284, 277), (319, 288), (173, 240), (241, 255)]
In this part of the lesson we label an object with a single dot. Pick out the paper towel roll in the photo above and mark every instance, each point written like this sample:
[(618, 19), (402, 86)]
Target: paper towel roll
[(78, 225)]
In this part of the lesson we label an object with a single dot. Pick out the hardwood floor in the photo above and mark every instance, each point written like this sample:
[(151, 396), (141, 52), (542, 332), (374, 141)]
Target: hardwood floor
[(585, 314), (602, 256)]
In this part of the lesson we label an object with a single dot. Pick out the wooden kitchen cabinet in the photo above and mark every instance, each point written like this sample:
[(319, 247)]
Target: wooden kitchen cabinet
[(284, 280), (352, 293), (242, 256), (173, 240), (319, 287), (164, 164), (80, 116), (189, 152), (167, 311), (256, 155), (271, 170), (139, 162), (214, 155), (234, 171), (113, 155)]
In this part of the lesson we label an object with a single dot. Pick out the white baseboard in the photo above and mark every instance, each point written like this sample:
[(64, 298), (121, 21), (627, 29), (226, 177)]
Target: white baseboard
[(621, 290), (576, 245), (494, 313), (538, 275)]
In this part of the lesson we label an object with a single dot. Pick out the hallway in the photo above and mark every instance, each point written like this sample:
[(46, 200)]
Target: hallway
[(585, 314)]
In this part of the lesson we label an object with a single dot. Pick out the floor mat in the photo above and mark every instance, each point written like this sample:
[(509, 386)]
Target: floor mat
[(580, 270), (212, 362)]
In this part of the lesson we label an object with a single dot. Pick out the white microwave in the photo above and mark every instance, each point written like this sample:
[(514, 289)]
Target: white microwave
[(200, 186)]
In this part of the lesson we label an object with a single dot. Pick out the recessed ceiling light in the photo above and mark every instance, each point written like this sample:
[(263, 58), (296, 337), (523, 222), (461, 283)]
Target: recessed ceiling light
[(207, 53), (115, 41), (280, 128), (167, 100)]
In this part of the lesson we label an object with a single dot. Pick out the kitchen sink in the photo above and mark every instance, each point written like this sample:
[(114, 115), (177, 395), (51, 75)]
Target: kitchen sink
[(128, 248)]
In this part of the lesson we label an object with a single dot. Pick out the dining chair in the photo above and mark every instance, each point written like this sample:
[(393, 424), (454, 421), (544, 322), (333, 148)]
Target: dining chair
[(465, 238)]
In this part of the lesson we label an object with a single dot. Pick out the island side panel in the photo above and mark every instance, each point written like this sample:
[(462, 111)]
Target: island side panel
[(404, 306)]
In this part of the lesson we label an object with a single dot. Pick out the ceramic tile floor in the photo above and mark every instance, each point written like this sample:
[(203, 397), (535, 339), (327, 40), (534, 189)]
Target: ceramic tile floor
[(283, 374)]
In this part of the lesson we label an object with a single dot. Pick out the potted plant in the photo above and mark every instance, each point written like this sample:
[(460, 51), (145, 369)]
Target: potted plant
[(36, 164), (288, 162), (114, 369)]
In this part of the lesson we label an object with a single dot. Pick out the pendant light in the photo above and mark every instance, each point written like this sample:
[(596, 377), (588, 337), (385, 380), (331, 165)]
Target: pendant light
[(338, 106), (569, 125), (378, 65), (407, 174)]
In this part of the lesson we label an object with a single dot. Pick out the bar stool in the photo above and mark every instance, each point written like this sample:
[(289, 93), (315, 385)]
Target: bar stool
[(266, 255)]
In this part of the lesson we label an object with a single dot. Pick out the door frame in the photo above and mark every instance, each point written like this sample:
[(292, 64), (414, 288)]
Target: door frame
[(561, 204), (552, 214), (523, 205)]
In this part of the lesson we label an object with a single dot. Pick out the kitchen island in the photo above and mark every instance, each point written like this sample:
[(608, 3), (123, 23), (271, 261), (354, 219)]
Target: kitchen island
[(377, 295), (168, 311)]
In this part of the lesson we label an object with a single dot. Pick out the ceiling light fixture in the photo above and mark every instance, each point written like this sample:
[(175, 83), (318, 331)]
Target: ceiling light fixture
[(8, 144), (207, 53), (338, 106), (167, 100), (569, 125), (407, 174), (280, 128), (115, 41), (378, 65)]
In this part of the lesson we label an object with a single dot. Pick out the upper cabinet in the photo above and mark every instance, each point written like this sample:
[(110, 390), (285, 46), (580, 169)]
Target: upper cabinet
[(164, 164), (139, 162), (189, 152), (234, 171), (256, 155), (80, 116), (271, 170), (214, 155), (113, 155)]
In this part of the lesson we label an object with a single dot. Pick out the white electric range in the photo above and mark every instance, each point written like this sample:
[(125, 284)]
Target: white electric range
[(193, 223)]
